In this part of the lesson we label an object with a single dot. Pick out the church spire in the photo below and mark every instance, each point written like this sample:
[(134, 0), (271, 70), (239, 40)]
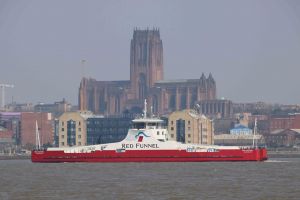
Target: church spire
[(210, 80)]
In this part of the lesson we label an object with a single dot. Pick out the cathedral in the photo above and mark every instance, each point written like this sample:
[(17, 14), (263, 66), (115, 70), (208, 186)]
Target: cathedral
[(146, 82)]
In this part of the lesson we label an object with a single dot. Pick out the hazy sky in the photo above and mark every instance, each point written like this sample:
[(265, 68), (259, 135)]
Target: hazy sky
[(252, 48)]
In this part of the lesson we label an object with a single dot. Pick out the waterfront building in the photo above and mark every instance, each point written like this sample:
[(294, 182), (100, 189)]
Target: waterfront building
[(188, 126), (289, 121), (223, 125), (240, 129), (6, 136), (72, 128), (146, 82), (240, 135), (8, 116), (56, 132), (11, 122), (238, 139), (7, 141), (102, 130), (84, 128), (28, 128), (283, 138)]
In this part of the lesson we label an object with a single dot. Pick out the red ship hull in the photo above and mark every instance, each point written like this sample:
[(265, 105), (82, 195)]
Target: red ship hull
[(259, 154)]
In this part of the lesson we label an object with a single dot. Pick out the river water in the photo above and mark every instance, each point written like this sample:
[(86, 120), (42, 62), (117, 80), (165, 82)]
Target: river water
[(275, 179)]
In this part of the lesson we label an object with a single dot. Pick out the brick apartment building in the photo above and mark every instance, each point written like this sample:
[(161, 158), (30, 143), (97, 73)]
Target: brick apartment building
[(290, 121), (28, 128)]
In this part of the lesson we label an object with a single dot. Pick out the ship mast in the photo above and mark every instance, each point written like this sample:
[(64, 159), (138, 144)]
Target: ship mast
[(254, 142), (37, 136), (145, 109)]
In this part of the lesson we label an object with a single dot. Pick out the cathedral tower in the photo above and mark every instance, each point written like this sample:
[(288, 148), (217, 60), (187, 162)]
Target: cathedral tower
[(146, 61), (146, 82)]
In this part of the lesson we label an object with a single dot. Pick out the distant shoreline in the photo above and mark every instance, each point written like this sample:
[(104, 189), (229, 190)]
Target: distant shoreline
[(284, 154), (14, 157)]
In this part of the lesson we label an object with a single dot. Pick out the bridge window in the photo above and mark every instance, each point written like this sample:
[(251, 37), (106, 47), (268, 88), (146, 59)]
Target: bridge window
[(139, 125)]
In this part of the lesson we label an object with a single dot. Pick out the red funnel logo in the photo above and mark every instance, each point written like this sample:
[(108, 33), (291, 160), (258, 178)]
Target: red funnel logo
[(140, 139), (140, 136)]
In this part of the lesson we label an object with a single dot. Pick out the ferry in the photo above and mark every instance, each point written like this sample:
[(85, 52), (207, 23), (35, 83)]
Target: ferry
[(147, 141)]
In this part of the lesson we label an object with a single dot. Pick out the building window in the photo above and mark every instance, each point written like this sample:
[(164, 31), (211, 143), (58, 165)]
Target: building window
[(172, 128), (62, 123), (79, 129), (79, 143), (172, 122), (71, 133), (189, 128), (189, 122), (62, 136), (157, 132), (189, 135), (172, 135), (79, 136), (180, 130), (62, 129), (79, 123), (63, 144)]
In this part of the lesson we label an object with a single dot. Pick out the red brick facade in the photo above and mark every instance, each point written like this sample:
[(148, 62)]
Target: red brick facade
[(284, 138), (291, 121), (28, 127)]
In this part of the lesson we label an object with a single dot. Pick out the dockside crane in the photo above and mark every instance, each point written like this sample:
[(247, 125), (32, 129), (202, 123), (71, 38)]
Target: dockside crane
[(3, 86)]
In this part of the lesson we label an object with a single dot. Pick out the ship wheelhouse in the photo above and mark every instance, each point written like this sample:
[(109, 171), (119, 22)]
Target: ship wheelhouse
[(154, 127)]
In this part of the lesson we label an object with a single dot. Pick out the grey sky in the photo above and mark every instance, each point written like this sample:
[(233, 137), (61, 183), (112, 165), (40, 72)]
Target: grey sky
[(252, 48)]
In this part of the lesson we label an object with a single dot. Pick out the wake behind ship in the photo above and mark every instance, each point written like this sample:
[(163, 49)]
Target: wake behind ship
[(147, 141)]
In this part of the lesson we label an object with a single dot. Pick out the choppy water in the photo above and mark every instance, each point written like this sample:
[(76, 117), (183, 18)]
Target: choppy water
[(274, 179)]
